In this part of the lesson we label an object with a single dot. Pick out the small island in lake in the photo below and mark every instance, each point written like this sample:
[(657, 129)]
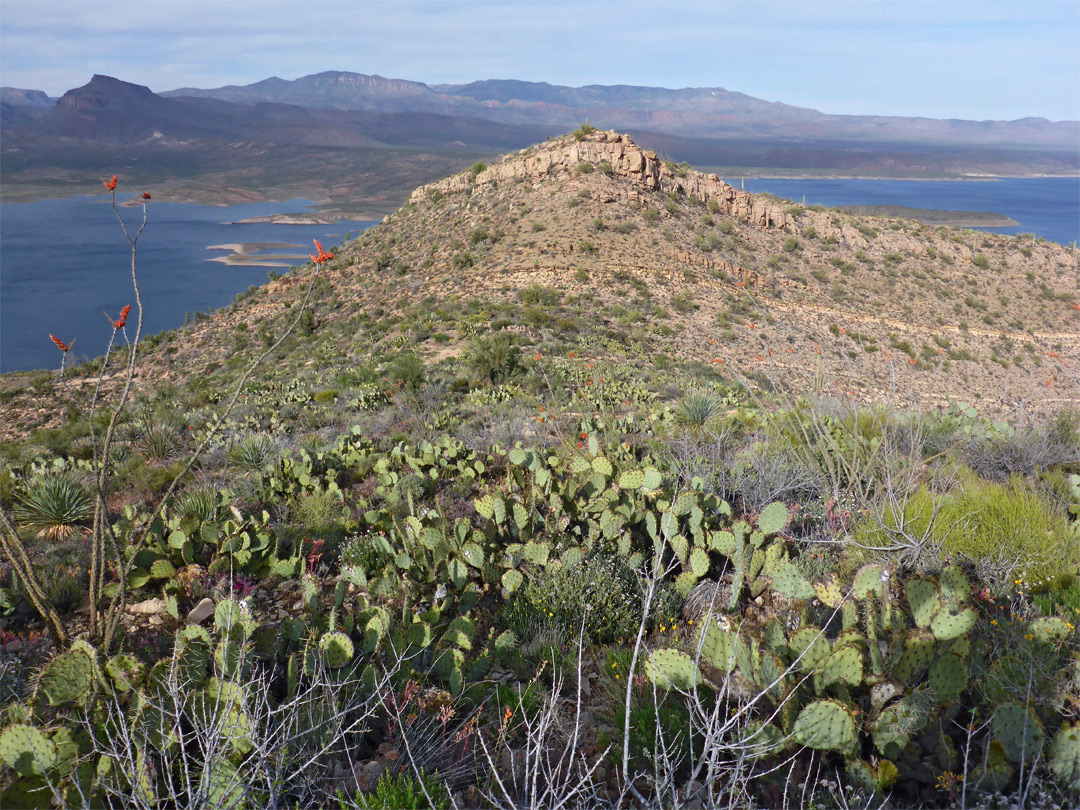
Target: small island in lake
[(250, 254), (285, 219)]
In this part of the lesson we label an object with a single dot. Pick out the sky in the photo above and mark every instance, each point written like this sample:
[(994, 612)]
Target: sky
[(973, 59)]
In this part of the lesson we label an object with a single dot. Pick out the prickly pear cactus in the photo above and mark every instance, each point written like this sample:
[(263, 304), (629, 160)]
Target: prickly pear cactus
[(826, 725), (923, 598), (1065, 755), (948, 676), (1051, 628), (773, 518), (125, 672), (27, 750), (900, 721), (67, 678), (336, 649), (869, 580), (1018, 730), (845, 666), (669, 668), (947, 626), (788, 581), (193, 649)]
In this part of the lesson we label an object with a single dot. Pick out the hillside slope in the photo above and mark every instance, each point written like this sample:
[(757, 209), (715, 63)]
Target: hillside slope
[(598, 244), (590, 246)]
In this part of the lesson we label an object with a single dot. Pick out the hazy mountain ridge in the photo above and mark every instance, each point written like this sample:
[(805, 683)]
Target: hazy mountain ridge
[(690, 112), (256, 142)]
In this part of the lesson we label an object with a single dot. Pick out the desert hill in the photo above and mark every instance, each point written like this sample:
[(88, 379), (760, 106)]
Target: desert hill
[(592, 244), (668, 278)]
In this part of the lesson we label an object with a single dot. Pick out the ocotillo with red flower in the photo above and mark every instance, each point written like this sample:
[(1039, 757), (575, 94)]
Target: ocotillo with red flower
[(59, 343), (322, 255), (119, 324), (110, 184)]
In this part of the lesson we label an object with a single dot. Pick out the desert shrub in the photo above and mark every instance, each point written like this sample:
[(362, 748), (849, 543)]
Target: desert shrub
[(55, 506), (1006, 529), (320, 513), (403, 791), (601, 594), (197, 503), (359, 552), (539, 295), (494, 359), (159, 441), (583, 131), (651, 214), (1023, 452), (459, 261), (765, 472), (980, 261), (407, 371)]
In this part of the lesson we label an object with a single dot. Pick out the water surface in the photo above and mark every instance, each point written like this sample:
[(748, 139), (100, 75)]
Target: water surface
[(66, 262)]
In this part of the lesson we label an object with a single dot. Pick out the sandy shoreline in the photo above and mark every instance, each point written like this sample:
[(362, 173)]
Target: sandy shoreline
[(250, 254)]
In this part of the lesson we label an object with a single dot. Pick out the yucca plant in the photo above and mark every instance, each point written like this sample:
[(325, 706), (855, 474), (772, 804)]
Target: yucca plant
[(253, 453), (55, 506), (158, 442), (698, 409)]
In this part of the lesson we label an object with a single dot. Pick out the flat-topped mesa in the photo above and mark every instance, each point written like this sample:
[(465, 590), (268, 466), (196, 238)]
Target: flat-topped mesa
[(628, 161)]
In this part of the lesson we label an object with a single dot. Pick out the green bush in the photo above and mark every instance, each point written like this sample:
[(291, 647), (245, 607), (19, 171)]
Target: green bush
[(252, 453), (494, 359), (583, 131), (403, 792), (1006, 526), (600, 594), (407, 370)]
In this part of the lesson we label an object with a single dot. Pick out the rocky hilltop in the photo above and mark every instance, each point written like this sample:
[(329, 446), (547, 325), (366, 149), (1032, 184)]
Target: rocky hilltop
[(677, 263)]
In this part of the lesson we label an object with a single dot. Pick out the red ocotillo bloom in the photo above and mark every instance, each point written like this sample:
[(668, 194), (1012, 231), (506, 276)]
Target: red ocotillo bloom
[(146, 195), (119, 324), (59, 343), (322, 255), (110, 184)]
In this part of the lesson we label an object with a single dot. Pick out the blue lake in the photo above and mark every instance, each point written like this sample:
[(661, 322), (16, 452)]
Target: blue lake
[(1045, 206), (65, 262)]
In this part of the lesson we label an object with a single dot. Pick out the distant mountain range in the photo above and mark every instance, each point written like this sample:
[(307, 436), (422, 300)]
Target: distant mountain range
[(702, 112), (266, 135)]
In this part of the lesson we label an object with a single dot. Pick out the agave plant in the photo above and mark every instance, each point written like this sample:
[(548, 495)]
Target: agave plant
[(55, 506), (698, 409), (253, 453)]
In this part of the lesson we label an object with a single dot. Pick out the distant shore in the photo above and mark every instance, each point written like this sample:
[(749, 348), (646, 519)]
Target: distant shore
[(931, 216)]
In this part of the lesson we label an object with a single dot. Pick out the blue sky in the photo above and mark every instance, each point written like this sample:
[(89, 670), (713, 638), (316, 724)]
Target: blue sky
[(977, 59)]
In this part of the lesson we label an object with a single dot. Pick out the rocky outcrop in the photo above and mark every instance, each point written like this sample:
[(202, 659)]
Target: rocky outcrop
[(628, 162)]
